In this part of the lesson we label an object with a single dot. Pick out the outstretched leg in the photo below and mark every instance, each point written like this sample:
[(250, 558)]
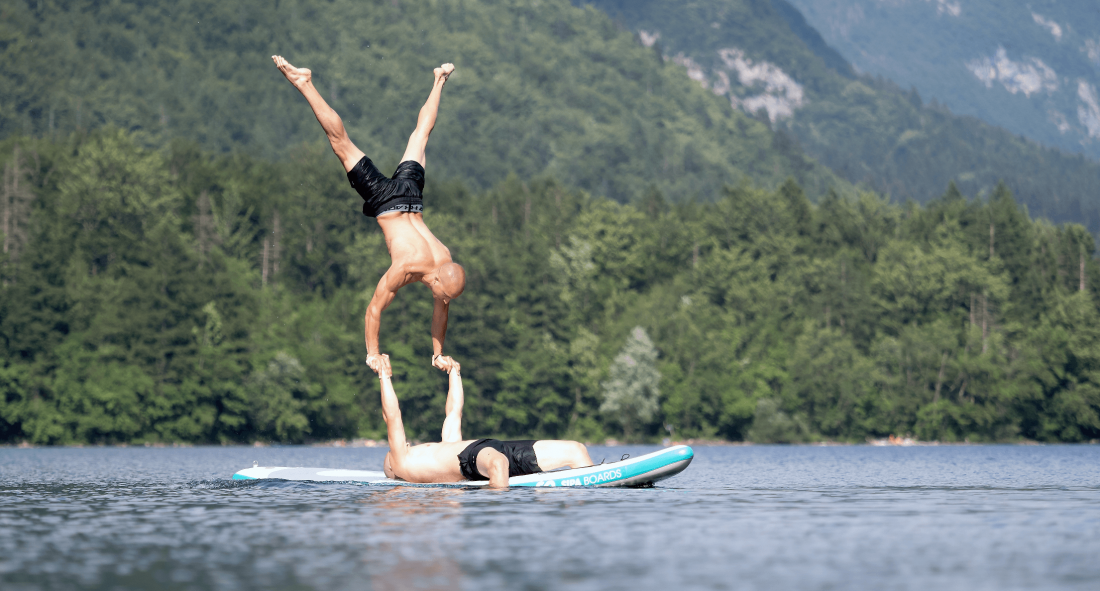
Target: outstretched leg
[(302, 79), (554, 454), (418, 141)]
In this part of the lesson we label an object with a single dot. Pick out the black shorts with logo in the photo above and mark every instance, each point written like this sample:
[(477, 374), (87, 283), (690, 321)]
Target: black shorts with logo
[(402, 192), (520, 454)]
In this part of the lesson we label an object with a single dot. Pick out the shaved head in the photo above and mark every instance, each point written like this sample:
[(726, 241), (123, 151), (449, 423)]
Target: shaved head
[(452, 278)]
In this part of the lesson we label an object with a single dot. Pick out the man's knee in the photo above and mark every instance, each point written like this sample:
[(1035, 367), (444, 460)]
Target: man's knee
[(490, 460), (579, 452), (419, 139), (558, 453)]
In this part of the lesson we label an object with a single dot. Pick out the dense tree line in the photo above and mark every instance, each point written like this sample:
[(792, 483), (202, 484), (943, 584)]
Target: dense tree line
[(179, 295), (541, 88)]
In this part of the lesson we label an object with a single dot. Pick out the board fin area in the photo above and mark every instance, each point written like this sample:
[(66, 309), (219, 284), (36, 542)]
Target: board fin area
[(631, 472)]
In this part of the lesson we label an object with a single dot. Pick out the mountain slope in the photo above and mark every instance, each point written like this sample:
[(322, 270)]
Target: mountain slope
[(1032, 68), (540, 90), (763, 57)]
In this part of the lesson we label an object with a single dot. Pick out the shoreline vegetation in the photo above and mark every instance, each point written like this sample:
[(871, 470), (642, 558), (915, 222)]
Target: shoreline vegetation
[(179, 296), (644, 262), (381, 443)]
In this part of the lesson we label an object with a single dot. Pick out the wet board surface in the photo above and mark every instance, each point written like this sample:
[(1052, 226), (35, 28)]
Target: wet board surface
[(631, 472)]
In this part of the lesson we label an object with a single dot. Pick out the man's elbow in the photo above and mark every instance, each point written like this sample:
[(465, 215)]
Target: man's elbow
[(378, 303)]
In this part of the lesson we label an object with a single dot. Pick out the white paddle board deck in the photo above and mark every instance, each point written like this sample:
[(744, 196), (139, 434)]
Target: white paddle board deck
[(636, 472)]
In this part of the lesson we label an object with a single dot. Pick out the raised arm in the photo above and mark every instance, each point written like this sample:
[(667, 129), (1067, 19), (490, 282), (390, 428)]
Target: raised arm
[(391, 414), (452, 425)]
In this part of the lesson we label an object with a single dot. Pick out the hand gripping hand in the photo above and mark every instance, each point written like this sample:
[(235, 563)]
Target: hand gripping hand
[(380, 364), (444, 362)]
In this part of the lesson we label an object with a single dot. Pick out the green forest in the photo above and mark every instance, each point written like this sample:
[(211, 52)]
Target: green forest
[(182, 295), (184, 261), (542, 89)]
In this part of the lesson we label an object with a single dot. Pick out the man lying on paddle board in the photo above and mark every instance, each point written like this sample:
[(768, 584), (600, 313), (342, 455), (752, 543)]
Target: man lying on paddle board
[(454, 458)]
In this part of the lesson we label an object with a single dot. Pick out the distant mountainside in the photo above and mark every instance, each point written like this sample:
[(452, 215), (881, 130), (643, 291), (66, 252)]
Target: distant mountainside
[(1030, 67), (542, 89), (765, 58)]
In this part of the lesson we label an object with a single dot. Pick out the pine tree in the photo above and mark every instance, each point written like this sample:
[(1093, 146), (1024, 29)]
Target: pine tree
[(15, 206), (631, 393)]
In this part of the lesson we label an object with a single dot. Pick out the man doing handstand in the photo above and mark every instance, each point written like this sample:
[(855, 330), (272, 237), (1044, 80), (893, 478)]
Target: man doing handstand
[(454, 458), (397, 204)]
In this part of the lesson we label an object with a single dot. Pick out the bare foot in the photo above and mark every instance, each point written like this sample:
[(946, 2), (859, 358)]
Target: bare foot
[(299, 77), (442, 72)]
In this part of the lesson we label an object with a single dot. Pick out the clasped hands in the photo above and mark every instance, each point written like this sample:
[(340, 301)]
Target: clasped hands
[(381, 363)]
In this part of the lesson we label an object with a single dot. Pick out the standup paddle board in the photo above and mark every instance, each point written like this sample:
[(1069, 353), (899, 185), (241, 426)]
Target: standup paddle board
[(639, 471)]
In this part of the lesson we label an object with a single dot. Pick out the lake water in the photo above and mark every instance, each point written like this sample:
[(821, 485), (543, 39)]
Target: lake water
[(763, 517)]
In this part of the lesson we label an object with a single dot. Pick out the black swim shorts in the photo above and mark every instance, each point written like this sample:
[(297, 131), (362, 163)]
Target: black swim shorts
[(520, 454), (403, 192)]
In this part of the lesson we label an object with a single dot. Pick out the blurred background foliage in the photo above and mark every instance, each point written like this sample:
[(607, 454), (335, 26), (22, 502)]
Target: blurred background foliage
[(179, 295), (541, 88), (183, 261)]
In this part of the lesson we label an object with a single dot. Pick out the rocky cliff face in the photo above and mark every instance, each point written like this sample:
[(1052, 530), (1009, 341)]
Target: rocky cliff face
[(768, 60), (1032, 68), (757, 87)]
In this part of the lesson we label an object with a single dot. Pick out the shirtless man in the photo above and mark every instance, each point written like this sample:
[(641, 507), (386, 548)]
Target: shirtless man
[(454, 458), (397, 204)]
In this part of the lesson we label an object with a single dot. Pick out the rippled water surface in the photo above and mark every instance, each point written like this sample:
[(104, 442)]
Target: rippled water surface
[(996, 517)]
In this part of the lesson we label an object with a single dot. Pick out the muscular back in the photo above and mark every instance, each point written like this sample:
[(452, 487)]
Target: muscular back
[(416, 255), (414, 251)]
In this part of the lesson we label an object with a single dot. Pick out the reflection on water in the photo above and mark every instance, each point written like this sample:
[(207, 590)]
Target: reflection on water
[(996, 517), (418, 574), (398, 500), (413, 566)]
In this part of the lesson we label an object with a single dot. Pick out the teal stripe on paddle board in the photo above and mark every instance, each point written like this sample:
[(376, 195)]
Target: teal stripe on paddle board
[(640, 471)]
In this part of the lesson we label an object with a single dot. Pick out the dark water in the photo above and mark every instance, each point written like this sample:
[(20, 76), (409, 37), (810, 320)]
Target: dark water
[(739, 518)]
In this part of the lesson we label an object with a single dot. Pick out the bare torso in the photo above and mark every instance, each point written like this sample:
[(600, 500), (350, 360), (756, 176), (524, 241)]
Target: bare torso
[(415, 255), (414, 251), (433, 462)]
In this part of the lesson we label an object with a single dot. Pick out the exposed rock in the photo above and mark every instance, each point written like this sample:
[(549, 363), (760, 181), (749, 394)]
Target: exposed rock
[(781, 96), (1029, 76), (1088, 112)]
